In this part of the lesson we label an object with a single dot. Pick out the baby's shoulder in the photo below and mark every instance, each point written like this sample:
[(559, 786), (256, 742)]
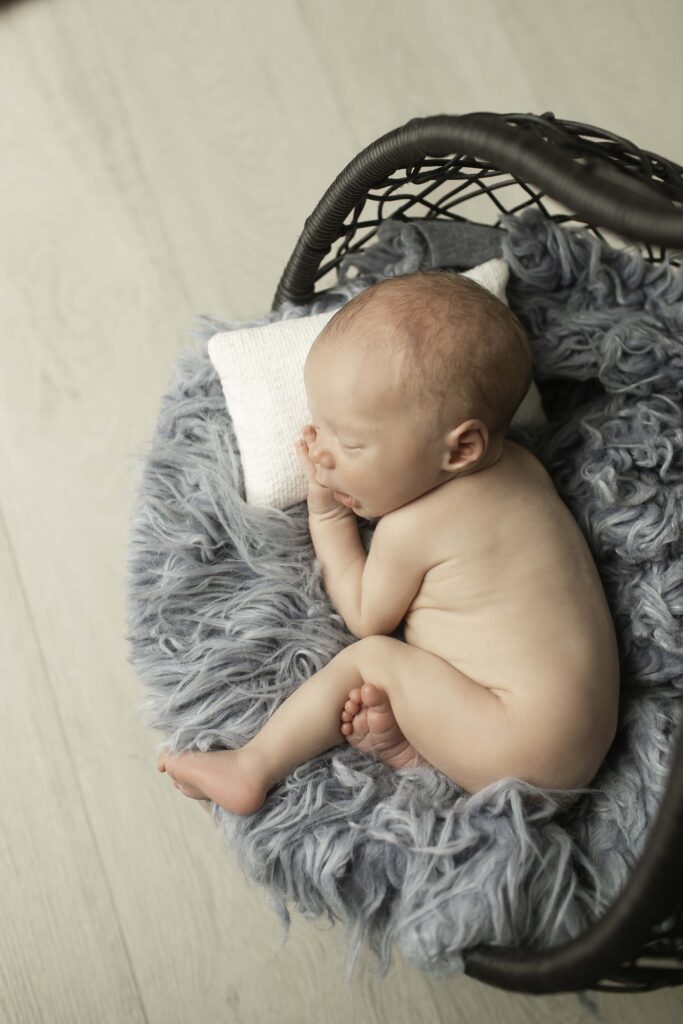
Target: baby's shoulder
[(406, 532), (456, 516), (420, 530)]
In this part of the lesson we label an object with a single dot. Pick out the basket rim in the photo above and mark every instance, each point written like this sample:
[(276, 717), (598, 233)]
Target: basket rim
[(539, 149)]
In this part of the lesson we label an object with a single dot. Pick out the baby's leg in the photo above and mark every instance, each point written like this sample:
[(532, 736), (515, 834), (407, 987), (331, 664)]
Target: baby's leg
[(457, 725), (305, 725), (454, 723)]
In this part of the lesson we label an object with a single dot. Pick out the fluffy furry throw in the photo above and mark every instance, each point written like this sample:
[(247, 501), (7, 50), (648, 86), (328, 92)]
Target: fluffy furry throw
[(227, 615)]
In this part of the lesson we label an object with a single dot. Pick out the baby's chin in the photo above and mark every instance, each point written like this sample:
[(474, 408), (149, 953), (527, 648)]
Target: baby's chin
[(365, 512), (361, 511)]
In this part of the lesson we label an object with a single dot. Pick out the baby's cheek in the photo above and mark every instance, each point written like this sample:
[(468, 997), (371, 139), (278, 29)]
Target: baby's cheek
[(358, 469)]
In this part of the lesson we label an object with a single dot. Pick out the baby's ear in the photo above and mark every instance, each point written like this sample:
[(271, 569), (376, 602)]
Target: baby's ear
[(466, 445)]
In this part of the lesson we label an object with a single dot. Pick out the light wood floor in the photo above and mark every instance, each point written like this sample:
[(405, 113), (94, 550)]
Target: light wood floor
[(157, 160)]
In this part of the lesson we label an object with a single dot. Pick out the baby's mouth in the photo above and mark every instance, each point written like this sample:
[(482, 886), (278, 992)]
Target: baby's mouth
[(344, 499)]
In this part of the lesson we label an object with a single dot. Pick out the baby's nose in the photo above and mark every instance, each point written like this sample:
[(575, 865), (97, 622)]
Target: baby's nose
[(318, 455)]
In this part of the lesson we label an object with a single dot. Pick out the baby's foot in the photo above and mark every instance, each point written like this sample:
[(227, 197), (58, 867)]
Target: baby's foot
[(369, 724), (228, 777)]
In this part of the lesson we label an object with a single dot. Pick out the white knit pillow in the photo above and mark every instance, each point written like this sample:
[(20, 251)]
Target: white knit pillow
[(262, 373)]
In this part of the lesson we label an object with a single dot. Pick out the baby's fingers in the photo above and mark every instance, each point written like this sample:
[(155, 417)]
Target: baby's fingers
[(304, 459)]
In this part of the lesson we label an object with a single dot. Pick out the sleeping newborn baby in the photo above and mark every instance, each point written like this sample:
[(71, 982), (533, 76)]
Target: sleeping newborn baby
[(509, 666)]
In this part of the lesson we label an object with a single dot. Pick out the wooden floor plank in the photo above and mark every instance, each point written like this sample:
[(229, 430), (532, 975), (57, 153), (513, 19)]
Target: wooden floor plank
[(62, 948)]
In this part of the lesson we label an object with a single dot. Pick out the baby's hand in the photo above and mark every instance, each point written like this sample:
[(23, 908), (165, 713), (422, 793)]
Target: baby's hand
[(321, 500)]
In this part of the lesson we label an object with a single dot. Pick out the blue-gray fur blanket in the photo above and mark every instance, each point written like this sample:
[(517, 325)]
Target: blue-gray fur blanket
[(227, 615)]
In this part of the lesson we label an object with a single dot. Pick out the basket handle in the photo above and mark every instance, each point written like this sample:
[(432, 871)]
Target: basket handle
[(596, 190)]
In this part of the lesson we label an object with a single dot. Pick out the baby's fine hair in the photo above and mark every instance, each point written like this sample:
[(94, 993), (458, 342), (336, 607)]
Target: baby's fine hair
[(464, 354)]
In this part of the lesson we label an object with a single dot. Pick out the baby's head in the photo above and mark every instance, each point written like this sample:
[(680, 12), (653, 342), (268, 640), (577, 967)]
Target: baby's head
[(430, 365)]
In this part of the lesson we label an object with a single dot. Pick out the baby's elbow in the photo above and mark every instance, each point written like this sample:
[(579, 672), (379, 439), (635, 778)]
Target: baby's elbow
[(358, 631), (364, 633), (379, 617), (375, 627)]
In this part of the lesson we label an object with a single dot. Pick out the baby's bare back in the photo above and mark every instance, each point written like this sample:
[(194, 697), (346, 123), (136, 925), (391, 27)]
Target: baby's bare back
[(513, 599)]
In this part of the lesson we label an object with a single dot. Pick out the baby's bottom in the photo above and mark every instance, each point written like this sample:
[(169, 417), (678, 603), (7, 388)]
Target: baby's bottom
[(457, 725)]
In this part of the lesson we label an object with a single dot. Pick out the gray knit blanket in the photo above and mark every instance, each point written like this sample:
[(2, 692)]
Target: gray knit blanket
[(228, 615)]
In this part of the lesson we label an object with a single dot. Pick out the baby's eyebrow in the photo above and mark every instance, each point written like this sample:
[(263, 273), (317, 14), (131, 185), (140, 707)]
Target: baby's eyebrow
[(348, 430), (346, 427)]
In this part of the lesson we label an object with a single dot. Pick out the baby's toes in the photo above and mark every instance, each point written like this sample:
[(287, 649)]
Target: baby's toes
[(351, 709)]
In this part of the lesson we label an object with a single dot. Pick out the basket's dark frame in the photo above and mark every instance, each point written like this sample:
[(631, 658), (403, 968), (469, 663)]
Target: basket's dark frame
[(605, 182)]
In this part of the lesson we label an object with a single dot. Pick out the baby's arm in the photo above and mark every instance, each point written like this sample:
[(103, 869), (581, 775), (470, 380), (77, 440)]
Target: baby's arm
[(393, 573), (371, 592), (334, 533), (342, 556)]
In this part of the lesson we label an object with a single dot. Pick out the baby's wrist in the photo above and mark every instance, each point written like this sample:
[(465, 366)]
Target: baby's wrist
[(321, 501), (329, 515)]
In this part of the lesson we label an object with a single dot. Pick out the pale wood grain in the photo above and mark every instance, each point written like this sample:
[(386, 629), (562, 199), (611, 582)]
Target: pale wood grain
[(158, 162), (87, 368), (609, 64), (63, 952)]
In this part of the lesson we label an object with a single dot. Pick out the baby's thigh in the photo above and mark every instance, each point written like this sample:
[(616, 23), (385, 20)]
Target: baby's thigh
[(461, 727)]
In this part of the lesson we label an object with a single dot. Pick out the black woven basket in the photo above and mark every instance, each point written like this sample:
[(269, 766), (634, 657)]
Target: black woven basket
[(599, 181)]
